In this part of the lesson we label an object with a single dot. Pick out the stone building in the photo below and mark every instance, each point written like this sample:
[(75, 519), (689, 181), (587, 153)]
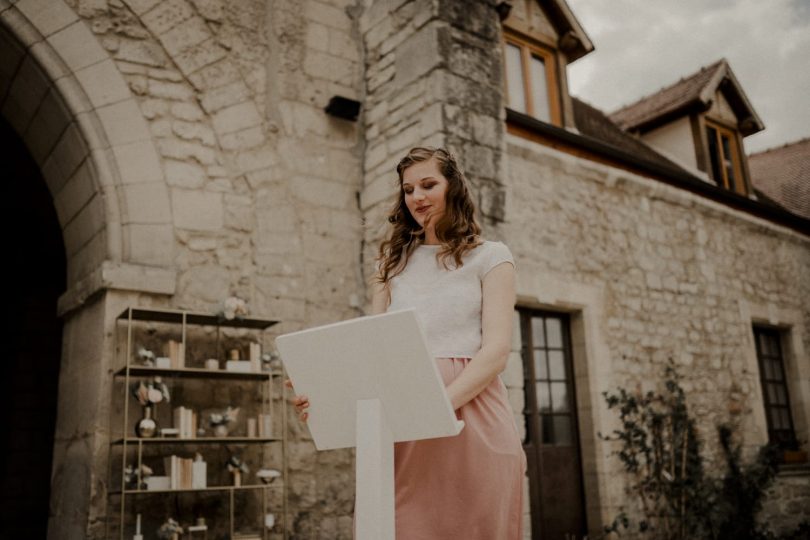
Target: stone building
[(172, 153)]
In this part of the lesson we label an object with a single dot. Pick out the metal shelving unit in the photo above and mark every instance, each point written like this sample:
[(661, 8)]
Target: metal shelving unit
[(129, 372)]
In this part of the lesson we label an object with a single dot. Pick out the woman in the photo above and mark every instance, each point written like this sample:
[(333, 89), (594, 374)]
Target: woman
[(463, 289)]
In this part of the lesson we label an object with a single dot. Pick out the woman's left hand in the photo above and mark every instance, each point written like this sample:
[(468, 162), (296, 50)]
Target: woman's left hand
[(301, 402)]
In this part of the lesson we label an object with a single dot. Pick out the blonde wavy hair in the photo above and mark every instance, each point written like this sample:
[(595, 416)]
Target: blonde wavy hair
[(457, 229)]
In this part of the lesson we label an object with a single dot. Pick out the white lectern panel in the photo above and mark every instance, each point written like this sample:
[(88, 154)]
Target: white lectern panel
[(381, 357)]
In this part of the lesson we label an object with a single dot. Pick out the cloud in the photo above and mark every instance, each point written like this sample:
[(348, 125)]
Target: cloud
[(642, 47)]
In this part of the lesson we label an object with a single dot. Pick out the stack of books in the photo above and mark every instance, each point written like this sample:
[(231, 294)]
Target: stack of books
[(176, 353), (185, 473), (185, 421)]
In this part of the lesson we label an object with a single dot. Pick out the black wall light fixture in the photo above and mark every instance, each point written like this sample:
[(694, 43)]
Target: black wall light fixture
[(342, 107)]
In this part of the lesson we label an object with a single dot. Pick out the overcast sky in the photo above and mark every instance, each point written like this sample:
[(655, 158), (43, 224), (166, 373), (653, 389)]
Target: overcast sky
[(644, 45)]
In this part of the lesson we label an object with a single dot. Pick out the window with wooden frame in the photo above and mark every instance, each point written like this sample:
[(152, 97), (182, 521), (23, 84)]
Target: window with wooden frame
[(775, 388), (531, 79), (724, 164)]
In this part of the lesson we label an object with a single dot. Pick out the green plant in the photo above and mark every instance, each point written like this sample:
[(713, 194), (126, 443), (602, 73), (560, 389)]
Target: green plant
[(660, 450)]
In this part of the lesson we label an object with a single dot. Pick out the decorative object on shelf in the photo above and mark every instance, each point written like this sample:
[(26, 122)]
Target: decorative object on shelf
[(146, 357), (163, 362), (137, 477), (265, 426), (270, 361), (255, 357), (251, 427), (234, 308), (220, 421), (171, 530), (238, 366), (137, 535), (151, 392), (269, 521), (169, 433), (148, 394), (199, 472), (146, 427), (236, 467), (234, 354), (199, 526), (158, 483), (267, 475), (212, 364)]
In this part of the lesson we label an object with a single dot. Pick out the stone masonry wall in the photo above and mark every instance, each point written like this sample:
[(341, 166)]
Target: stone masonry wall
[(432, 77), (673, 270), (262, 183)]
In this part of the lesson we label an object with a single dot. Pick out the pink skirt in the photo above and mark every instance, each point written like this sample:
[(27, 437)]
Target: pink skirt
[(468, 487)]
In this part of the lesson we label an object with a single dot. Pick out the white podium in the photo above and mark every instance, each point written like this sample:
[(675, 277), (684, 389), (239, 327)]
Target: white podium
[(371, 382)]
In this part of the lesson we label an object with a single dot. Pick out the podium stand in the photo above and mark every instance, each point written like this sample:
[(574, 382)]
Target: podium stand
[(371, 382)]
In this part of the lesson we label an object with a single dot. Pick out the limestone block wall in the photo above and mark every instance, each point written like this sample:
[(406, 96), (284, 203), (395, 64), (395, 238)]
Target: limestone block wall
[(432, 77), (652, 273), (259, 183)]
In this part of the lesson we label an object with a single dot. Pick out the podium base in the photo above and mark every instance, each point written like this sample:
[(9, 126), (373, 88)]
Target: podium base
[(374, 465)]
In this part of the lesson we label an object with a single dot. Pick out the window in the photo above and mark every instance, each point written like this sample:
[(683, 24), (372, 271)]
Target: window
[(549, 379), (531, 80), (774, 388), (724, 157)]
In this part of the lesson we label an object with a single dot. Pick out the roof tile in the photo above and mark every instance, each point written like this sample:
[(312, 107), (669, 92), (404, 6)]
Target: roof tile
[(783, 175), (666, 100)]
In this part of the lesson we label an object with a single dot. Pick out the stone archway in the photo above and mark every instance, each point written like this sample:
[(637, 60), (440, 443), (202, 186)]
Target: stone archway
[(35, 275), (68, 106), (66, 99)]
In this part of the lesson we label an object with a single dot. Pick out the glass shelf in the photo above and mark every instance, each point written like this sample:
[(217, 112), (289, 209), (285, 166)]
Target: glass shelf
[(272, 485), (176, 316), (197, 440), (145, 371)]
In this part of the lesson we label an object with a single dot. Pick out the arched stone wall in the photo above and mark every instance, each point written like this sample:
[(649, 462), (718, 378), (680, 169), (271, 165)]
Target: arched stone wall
[(62, 93), (68, 102)]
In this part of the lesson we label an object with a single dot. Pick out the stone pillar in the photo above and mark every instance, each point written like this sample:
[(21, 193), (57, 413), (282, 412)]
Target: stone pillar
[(433, 77), (79, 483)]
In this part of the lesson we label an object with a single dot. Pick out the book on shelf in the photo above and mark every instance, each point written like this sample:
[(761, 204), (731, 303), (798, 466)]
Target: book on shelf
[(176, 351), (185, 420), (180, 472)]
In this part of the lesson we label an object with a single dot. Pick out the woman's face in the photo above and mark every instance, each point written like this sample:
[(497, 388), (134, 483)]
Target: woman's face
[(424, 188)]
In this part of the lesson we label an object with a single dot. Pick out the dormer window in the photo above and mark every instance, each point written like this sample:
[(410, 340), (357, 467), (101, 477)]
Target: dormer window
[(698, 123), (724, 157), (531, 80)]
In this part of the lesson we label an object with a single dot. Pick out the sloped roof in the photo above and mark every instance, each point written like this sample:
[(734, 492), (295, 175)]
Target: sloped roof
[(693, 93), (574, 42), (594, 123), (783, 175)]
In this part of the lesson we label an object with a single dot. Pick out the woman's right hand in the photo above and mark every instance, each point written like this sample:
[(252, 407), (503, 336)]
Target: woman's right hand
[(300, 402)]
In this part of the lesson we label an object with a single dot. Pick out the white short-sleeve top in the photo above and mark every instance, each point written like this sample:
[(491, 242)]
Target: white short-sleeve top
[(447, 302)]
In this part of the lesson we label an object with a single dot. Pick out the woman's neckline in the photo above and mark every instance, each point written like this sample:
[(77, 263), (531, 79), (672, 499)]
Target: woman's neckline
[(437, 246)]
